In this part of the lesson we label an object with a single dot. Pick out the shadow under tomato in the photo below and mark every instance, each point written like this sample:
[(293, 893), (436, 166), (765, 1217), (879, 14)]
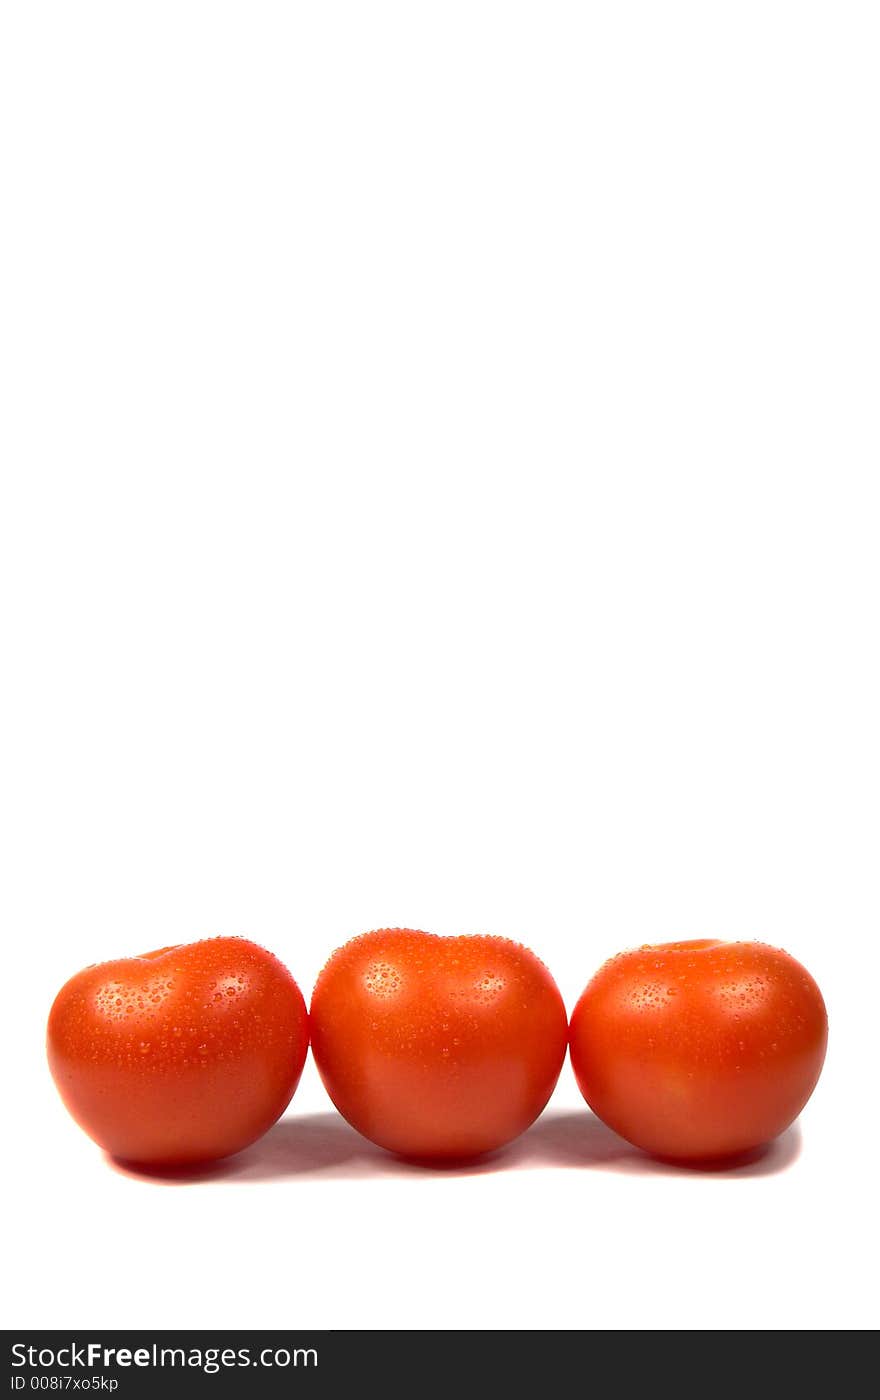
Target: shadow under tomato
[(315, 1144), (577, 1138), (323, 1144)]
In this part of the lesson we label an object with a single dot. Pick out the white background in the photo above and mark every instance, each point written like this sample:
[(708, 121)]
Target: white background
[(439, 451)]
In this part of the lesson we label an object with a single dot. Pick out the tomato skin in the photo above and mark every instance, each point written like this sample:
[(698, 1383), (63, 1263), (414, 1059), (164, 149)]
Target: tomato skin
[(437, 1047), (700, 1049), (182, 1055)]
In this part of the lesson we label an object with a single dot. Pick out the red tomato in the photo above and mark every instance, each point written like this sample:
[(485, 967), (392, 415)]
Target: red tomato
[(699, 1049), (437, 1047), (181, 1055)]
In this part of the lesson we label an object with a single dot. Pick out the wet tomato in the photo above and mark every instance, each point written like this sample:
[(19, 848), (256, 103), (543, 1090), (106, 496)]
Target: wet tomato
[(437, 1047), (181, 1055), (699, 1049)]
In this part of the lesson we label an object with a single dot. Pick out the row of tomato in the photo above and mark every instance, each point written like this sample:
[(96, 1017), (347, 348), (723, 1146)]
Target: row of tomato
[(436, 1048)]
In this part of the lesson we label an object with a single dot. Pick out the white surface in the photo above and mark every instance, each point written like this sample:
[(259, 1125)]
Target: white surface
[(440, 487)]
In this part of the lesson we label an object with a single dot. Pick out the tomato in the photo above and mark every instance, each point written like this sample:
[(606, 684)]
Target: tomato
[(180, 1055), (437, 1047), (699, 1049)]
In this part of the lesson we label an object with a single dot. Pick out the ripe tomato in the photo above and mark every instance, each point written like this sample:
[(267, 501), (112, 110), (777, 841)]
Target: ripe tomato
[(699, 1049), (181, 1055), (437, 1047)]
